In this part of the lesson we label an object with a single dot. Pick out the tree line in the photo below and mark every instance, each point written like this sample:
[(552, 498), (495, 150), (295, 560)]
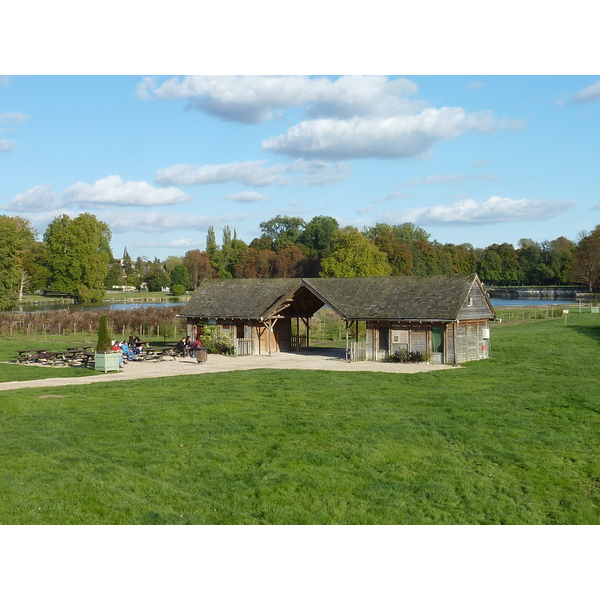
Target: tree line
[(75, 257)]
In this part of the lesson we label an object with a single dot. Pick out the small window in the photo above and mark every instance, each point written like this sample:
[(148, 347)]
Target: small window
[(470, 301)]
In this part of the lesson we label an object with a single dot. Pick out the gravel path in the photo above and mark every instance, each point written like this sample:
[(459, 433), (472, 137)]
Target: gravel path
[(330, 361)]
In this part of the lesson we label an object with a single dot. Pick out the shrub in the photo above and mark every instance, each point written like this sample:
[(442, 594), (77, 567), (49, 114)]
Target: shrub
[(178, 290), (216, 342), (103, 345), (404, 356)]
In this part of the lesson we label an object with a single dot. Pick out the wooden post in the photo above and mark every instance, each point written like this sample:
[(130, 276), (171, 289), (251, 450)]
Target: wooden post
[(269, 333), (348, 325)]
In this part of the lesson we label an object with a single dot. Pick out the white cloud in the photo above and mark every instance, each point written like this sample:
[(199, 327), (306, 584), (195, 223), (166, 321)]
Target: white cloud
[(475, 85), (588, 94), (390, 137), (319, 172), (246, 197), (13, 118), (182, 243), (452, 179), (114, 191), (7, 145), (38, 199), (253, 173), (253, 99), (157, 221), (493, 210)]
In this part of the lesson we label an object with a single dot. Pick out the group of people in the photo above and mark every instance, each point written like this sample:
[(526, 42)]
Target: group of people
[(127, 350), (186, 347)]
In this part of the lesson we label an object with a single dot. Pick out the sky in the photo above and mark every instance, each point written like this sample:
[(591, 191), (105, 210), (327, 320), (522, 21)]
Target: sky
[(471, 159)]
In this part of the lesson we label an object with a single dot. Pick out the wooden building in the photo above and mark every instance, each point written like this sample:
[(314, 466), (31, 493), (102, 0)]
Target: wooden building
[(444, 316)]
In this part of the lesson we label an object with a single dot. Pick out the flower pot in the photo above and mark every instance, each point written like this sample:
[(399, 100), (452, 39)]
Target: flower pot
[(106, 362)]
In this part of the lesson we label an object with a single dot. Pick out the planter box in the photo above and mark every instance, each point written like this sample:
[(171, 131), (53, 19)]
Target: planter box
[(107, 362)]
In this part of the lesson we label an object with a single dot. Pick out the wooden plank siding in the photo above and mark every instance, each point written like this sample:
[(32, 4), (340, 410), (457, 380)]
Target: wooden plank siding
[(408, 313)]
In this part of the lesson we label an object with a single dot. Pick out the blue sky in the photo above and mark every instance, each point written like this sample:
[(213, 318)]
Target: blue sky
[(477, 159)]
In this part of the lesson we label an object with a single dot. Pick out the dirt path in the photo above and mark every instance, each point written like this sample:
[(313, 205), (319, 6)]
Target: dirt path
[(218, 364)]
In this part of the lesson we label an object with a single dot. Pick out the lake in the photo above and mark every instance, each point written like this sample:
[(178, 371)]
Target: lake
[(48, 306)]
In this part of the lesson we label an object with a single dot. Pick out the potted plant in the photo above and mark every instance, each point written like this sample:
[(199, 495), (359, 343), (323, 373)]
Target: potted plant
[(105, 359)]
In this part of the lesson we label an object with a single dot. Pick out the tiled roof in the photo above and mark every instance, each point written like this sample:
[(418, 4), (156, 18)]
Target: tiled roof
[(353, 298)]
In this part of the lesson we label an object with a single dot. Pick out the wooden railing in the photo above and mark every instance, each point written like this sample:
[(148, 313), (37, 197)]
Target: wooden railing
[(299, 342), (358, 351), (243, 347)]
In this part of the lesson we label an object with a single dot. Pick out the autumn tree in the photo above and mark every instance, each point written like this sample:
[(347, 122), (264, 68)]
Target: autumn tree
[(253, 263), (198, 266), (289, 262), (585, 265)]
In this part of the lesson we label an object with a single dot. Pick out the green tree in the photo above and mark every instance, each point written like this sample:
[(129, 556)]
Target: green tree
[(114, 275), (500, 265), (399, 254), (78, 255), (16, 239), (180, 276), (283, 231), (318, 233), (353, 255), (157, 278), (34, 264)]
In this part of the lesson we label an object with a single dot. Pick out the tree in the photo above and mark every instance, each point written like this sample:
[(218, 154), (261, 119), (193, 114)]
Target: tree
[(500, 265), (283, 231), (114, 276), (289, 262), (353, 255), (103, 345), (78, 255), (16, 238), (34, 264), (255, 263), (318, 233), (180, 276), (399, 255), (157, 278), (198, 266), (585, 265)]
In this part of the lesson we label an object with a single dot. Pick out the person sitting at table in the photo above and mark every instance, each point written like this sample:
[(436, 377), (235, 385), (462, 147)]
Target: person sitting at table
[(135, 344), (197, 344), (127, 351), (181, 348), (116, 347)]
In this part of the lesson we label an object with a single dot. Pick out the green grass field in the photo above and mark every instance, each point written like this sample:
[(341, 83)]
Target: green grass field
[(513, 440)]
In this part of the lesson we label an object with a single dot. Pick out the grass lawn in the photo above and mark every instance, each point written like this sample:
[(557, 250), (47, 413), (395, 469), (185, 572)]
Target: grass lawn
[(514, 440)]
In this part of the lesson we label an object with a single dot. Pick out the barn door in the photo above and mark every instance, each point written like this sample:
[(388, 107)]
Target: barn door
[(437, 344)]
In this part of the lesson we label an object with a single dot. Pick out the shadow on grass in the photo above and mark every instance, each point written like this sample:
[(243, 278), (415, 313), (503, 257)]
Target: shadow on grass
[(589, 330)]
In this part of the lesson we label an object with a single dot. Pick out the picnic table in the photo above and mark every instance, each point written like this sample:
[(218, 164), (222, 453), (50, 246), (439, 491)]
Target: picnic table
[(30, 355), (157, 352)]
